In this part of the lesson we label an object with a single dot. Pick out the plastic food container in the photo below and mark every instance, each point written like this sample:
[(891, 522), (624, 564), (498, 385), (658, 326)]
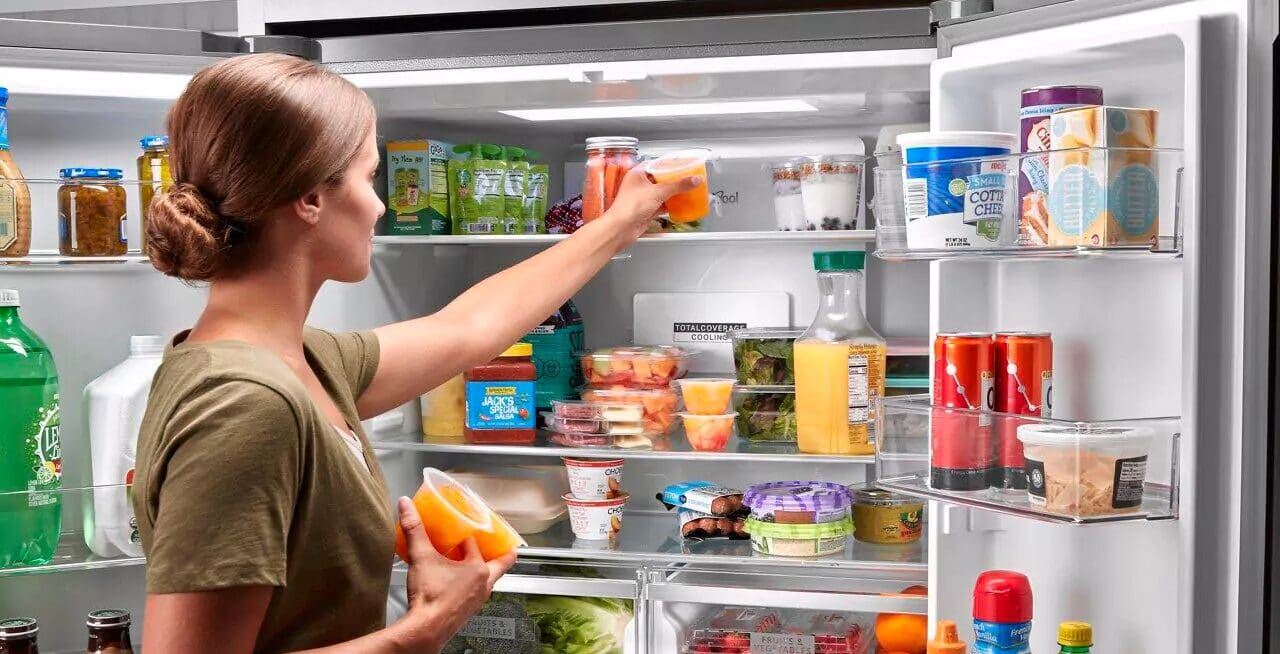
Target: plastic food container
[(788, 205), (444, 412), (729, 630), (595, 519), (798, 502), (92, 213), (609, 158), (1086, 472), (831, 188), (451, 513), (580, 409), (595, 479), (658, 404), (708, 433), (635, 366), (588, 426), (954, 201), (886, 518), (527, 497), (570, 439), (832, 632), (766, 413), (799, 539), (687, 206), (706, 396), (763, 356)]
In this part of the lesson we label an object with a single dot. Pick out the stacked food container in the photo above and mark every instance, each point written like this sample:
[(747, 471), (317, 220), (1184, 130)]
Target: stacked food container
[(765, 397)]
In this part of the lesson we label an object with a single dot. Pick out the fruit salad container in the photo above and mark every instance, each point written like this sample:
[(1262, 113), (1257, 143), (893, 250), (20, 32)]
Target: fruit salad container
[(706, 396), (708, 433), (635, 366), (658, 404)]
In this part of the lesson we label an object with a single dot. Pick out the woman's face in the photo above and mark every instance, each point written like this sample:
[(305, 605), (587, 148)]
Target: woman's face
[(350, 211)]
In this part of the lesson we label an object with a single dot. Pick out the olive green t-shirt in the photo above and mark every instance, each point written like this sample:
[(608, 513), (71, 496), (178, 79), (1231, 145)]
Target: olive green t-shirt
[(242, 481)]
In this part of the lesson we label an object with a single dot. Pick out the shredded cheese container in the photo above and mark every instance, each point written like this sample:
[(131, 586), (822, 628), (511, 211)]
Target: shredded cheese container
[(781, 539), (1083, 472)]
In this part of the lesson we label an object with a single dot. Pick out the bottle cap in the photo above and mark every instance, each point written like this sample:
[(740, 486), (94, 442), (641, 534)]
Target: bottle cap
[(146, 344), (1075, 634), (9, 298), (14, 628), (93, 173), (518, 350), (4, 96), (946, 640), (154, 141), (106, 618), (1002, 596), (834, 261)]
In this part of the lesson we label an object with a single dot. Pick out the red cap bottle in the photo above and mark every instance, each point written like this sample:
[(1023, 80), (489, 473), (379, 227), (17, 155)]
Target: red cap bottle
[(1002, 609)]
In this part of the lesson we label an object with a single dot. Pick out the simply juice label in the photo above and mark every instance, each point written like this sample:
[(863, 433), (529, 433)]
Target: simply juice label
[(501, 404)]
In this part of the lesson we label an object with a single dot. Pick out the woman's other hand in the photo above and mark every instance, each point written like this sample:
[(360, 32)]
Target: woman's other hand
[(443, 593), (639, 201)]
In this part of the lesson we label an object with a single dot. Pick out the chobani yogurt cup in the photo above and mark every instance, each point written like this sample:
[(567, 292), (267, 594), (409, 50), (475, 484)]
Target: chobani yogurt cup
[(595, 479), (952, 198), (595, 519)]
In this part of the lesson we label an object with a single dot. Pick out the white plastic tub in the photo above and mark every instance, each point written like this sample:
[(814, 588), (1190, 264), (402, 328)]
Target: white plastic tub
[(1084, 473)]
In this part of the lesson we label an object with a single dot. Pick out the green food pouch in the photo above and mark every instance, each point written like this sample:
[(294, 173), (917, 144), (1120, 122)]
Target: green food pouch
[(535, 199), (480, 191), (513, 189)]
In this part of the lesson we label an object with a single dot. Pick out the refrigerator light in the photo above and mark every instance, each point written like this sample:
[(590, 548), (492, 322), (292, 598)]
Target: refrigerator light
[(662, 110), (93, 83)]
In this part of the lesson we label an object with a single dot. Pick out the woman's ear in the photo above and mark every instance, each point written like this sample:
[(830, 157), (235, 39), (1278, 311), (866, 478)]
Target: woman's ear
[(307, 208)]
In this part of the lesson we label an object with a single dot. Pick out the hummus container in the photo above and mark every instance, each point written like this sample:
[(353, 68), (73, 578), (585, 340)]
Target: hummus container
[(594, 479), (595, 519), (886, 518), (1086, 472), (798, 502), (799, 539)]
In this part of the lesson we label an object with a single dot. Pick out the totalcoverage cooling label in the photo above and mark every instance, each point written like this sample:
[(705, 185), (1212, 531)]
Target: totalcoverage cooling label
[(704, 332)]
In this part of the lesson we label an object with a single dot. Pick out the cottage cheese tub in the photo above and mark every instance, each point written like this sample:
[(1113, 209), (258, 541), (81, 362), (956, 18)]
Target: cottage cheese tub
[(954, 201)]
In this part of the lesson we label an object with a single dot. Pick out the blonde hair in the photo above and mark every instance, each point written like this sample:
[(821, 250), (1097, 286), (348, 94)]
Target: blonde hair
[(247, 135)]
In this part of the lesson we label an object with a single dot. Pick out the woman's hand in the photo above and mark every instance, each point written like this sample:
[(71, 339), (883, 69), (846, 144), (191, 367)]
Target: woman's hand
[(639, 201), (443, 594)]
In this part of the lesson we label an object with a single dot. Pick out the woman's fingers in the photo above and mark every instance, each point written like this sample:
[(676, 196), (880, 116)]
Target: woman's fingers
[(668, 189), (418, 543), (470, 551), (499, 567)]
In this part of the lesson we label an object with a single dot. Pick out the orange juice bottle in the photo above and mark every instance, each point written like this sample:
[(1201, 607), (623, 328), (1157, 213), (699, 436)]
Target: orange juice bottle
[(691, 205), (451, 513), (839, 364)]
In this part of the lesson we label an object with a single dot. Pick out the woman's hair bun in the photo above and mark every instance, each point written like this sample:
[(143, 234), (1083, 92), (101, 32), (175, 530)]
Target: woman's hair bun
[(185, 237)]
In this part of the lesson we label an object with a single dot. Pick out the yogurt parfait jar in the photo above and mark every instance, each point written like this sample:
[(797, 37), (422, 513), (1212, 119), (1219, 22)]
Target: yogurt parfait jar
[(831, 189), (788, 205)]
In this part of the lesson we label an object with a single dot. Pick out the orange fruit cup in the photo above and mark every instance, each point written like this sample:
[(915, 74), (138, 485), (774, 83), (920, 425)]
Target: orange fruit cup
[(708, 433), (451, 513), (691, 205), (706, 397)]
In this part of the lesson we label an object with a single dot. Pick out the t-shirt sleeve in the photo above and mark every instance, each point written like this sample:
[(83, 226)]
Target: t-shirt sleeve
[(226, 492), (358, 351)]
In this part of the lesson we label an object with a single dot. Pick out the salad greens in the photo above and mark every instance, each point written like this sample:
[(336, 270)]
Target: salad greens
[(580, 625), (765, 361), (767, 417)]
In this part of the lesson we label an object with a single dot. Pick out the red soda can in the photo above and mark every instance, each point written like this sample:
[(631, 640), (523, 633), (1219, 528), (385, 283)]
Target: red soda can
[(961, 455), (1024, 386)]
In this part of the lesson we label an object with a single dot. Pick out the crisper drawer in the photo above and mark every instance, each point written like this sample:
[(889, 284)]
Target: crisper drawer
[(757, 612)]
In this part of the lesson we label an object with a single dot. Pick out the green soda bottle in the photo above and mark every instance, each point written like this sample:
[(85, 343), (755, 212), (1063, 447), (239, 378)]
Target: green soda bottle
[(1075, 638), (30, 443)]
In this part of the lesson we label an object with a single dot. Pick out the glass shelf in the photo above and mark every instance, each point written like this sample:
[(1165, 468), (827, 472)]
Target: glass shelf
[(101, 512), (45, 259), (857, 235), (1094, 202), (673, 447), (1079, 472)]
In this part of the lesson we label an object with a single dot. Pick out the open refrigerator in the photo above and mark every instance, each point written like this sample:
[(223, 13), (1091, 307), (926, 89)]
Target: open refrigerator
[(1181, 337)]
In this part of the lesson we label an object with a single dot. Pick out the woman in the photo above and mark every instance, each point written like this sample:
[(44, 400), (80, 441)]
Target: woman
[(261, 507)]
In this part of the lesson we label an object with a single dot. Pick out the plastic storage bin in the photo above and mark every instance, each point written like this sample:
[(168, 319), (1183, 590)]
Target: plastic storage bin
[(634, 366), (766, 413), (528, 497), (763, 356)]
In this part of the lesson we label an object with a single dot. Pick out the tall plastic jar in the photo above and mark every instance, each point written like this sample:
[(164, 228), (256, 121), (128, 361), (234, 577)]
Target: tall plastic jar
[(30, 443), (839, 364), (15, 196), (113, 408), (444, 412), (501, 401), (609, 158), (154, 176)]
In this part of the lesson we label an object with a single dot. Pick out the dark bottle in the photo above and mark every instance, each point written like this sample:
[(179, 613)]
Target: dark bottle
[(18, 636), (109, 632)]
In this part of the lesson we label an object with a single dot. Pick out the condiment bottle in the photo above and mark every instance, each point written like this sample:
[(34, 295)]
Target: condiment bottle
[(839, 363), (15, 197), (154, 175), (109, 632), (946, 640), (18, 636), (501, 399), (1075, 637), (1002, 612)]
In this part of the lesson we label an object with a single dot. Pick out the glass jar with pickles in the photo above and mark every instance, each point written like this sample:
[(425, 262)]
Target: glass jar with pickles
[(92, 213), (154, 176), (609, 158)]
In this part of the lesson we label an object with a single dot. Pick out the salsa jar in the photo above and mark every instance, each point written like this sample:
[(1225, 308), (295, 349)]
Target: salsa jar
[(502, 400), (91, 213), (609, 158), (154, 176)]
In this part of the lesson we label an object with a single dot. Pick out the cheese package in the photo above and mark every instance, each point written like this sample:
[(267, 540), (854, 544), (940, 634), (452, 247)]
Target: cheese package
[(1103, 197)]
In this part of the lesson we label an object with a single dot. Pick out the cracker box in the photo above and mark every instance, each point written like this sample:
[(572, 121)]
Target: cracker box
[(1100, 198), (417, 189)]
